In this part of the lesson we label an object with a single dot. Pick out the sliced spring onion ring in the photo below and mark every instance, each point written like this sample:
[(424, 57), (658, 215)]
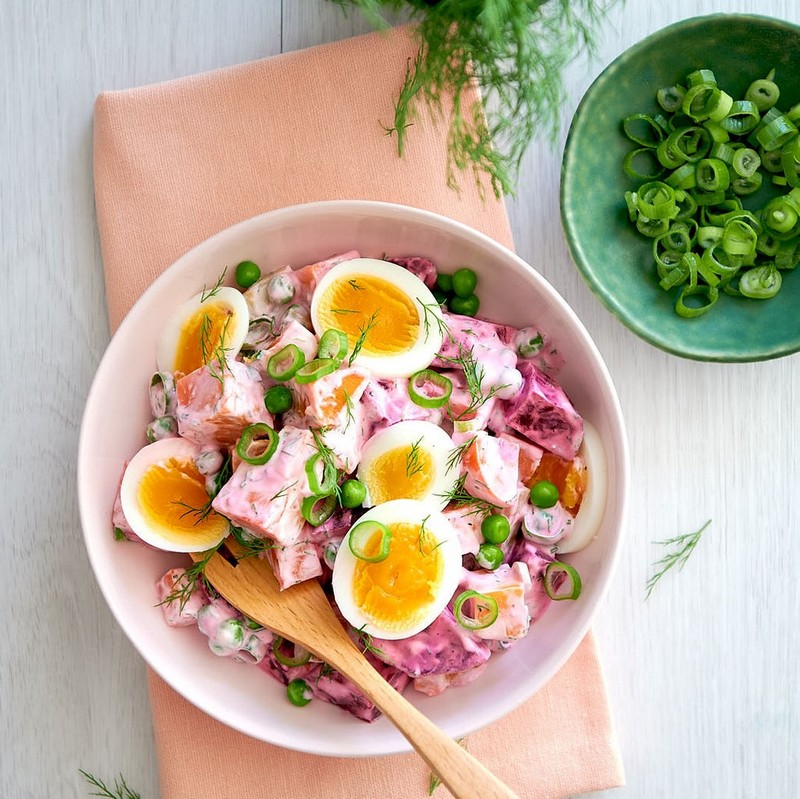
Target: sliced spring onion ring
[(745, 162), (316, 509), (712, 174), (559, 574), (484, 610), (656, 200), (742, 117), (643, 129), (427, 377), (763, 93), (333, 344), (642, 159), (326, 484), (670, 98), (299, 657), (709, 293), (316, 369), (361, 537), (257, 444), (761, 283), (284, 364), (776, 133)]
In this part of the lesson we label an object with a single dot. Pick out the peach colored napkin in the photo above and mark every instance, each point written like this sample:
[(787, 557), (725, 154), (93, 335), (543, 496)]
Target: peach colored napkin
[(177, 162)]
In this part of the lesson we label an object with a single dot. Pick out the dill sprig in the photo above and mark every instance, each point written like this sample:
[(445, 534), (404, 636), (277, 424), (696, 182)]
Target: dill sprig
[(215, 353), (474, 374), (685, 545), (366, 642), (515, 51), (349, 410), (456, 455), (434, 782), (187, 582), (207, 294), (364, 331), (413, 465), (284, 491), (344, 311), (458, 493), (433, 311), (119, 791), (329, 457), (355, 285)]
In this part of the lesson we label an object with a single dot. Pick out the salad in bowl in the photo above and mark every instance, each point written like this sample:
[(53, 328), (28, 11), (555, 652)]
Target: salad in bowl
[(358, 419)]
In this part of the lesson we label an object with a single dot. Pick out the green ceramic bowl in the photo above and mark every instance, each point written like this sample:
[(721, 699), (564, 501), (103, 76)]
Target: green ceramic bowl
[(614, 258)]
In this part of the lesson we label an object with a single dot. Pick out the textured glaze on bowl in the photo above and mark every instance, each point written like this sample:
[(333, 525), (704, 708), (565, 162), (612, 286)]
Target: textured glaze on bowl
[(614, 258), (117, 410)]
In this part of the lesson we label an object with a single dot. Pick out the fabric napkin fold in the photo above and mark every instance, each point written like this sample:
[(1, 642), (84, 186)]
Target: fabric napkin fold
[(175, 163)]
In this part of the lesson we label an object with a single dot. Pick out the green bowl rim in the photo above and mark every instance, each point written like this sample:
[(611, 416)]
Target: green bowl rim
[(588, 276)]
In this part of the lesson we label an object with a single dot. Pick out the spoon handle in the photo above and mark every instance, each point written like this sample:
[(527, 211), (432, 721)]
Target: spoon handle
[(463, 775)]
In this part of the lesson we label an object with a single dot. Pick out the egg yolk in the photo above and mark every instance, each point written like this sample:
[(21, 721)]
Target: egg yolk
[(404, 472), (398, 591), (203, 337), (374, 310), (173, 501)]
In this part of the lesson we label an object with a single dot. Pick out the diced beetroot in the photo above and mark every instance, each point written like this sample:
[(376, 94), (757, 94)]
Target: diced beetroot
[(213, 411), (508, 586), (423, 268), (543, 413), (442, 647), (492, 467)]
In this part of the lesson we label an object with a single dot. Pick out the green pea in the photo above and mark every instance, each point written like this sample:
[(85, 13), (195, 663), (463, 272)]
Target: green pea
[(247, 273), (440, 296), (464, 282), (444, 283), (298, 692), (544, 494), (278, 399), (495, 528), (489, 556), (354, 492), (466, 306)]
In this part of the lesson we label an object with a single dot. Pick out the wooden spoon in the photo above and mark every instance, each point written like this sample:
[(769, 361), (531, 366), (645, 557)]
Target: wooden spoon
[(302, 614)]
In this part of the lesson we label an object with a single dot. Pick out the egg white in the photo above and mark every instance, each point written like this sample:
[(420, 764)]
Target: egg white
[(167, 347), (590, 514), (432, 440), (180, 450), (429, 337), (438, 527)]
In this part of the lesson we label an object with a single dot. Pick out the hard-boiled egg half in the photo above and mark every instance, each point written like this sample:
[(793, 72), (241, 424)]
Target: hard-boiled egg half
[(165, 501), (385, 309), (404, 592), (590, 514), (408, 460), (211, 325)]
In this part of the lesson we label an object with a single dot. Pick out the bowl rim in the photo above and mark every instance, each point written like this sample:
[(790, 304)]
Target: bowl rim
[(412, 215), (687, 350)]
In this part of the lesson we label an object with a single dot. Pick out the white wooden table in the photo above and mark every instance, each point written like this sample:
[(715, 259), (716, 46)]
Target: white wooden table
[(703, 677)]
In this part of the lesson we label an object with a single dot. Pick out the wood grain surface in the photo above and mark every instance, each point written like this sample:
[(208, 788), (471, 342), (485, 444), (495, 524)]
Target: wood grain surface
[(703, 677)]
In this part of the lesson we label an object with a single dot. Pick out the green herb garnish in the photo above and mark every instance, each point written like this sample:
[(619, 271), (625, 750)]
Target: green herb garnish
[(119, 791), (413, 465), (207, 294), (364, 331), (514, 50), (684, 546), (458, 494)]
